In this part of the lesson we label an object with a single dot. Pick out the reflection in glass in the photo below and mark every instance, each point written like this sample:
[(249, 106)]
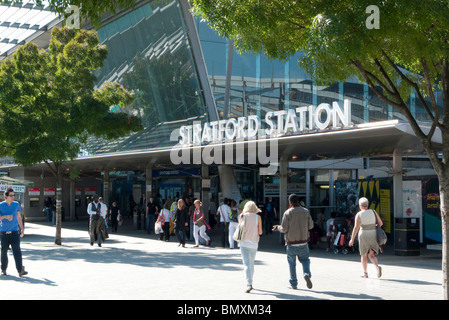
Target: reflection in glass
[(150, 54)]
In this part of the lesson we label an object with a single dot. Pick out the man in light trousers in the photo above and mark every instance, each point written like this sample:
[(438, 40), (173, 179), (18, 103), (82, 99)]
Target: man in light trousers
[(296, 223)]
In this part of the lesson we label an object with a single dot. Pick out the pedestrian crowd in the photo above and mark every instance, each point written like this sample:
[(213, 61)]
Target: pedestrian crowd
[(187, 219)]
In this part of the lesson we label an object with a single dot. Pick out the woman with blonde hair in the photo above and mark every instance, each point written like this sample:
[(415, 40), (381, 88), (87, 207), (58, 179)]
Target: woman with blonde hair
[(199, 224), (252, 230)]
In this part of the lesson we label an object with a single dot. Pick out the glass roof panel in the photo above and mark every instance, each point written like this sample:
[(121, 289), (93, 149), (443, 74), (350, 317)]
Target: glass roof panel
[(23, 22)]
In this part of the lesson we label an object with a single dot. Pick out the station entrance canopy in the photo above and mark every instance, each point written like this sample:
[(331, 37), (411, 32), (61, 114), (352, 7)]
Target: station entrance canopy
[(362, 140)]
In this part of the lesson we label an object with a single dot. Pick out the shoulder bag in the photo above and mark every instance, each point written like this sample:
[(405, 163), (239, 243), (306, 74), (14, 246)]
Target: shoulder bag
[(381, 235), (238, 233)]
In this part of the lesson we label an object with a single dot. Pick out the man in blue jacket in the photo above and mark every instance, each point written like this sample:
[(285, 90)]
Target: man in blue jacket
[(11, 229)]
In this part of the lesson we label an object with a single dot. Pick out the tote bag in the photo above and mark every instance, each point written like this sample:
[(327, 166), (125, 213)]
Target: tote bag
[(381, 235), (238, 233)]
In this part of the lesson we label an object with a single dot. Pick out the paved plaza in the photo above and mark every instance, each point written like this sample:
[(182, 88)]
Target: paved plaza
[(134, 265)]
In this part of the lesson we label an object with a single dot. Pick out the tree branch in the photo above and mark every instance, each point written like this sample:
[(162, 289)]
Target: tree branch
[(418, 92)]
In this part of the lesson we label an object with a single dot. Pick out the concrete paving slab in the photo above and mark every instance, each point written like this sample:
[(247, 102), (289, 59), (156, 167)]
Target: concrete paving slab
[(134, 265)]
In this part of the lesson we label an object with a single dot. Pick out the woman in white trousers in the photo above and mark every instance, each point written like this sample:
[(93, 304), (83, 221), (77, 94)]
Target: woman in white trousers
[(199, 224)]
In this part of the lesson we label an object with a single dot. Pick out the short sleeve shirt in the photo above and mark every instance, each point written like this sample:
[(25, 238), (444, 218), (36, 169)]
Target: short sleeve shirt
[(6, 210)]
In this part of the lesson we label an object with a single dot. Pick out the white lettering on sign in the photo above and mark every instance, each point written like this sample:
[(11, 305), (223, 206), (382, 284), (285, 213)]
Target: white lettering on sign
[(292, 121)]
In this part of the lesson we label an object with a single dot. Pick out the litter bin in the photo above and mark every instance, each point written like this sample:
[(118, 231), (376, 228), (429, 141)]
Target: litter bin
[(406, 237)]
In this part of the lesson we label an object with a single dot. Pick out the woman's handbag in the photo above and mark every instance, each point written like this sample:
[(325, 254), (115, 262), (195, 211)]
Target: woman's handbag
[(238, 233), (381, 235)]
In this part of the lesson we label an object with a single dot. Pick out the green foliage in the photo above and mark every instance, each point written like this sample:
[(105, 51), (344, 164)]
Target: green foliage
[(332, 35), (48, 104)]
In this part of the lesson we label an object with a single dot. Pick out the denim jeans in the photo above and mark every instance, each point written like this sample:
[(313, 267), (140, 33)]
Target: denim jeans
[(248, 258), (12, 239), (151, 220), (302, 252), (224, 234)]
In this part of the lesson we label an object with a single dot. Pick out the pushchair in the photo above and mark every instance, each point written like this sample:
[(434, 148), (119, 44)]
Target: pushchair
[(341, 236)]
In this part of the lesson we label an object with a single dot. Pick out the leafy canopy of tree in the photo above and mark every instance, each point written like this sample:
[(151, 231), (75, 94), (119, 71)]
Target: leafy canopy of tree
[(407, 53), (48, 104)]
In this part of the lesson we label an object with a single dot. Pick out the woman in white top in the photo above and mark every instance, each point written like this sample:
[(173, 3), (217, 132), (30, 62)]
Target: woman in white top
[(199, 224), (366, 221), (164, 217), (252, 230)]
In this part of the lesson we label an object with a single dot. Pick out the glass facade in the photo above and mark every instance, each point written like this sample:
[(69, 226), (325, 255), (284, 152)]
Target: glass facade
[(149, 53), (259, 85)]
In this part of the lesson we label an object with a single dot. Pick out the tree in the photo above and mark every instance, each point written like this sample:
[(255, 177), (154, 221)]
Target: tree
[(48, 104), (396, 47)]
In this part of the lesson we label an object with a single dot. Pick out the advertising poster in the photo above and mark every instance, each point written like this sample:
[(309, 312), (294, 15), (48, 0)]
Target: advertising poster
[(411, 199)]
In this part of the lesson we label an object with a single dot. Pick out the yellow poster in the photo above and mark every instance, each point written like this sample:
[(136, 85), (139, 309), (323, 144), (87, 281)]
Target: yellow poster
[(385, 209)]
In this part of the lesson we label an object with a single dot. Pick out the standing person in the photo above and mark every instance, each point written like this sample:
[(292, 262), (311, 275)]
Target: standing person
[(164, 217), (102, 221), (199, 225), (366, 221), (329, 229), (48, 207), (296, 223), (132, 204), (104, 211), (223, 213), (151, 213), (143, 203), (11, 225), (249, 244), (114, 212), (181, 222), (271, 212), (234, 222), (94, 211)]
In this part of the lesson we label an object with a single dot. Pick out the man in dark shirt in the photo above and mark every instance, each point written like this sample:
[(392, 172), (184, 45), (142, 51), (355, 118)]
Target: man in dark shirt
[(152, 211), (270, 210)]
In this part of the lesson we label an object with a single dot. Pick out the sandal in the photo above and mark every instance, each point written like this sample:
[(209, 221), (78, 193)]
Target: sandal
[(365, 275), (379, 271)]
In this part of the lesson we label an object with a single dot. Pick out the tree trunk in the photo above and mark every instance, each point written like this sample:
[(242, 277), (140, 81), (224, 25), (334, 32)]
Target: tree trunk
[(444, 209), (58, 239)]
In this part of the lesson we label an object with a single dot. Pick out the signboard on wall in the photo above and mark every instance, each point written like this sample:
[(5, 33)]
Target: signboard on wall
[(5, 187), (411, 199), (34, 191), (89, 191), (272, 189), (49, 191)]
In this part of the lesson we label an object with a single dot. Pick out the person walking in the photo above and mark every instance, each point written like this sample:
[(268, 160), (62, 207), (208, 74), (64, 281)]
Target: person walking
[(252, 230), (181, 222), (234, 222), (270, 209), (164, 217), (94, 211), (114, 213), (296, 223), (12, 230), (199, 224), (223, 212), (48, 208), (150, 214), (365, 221)]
